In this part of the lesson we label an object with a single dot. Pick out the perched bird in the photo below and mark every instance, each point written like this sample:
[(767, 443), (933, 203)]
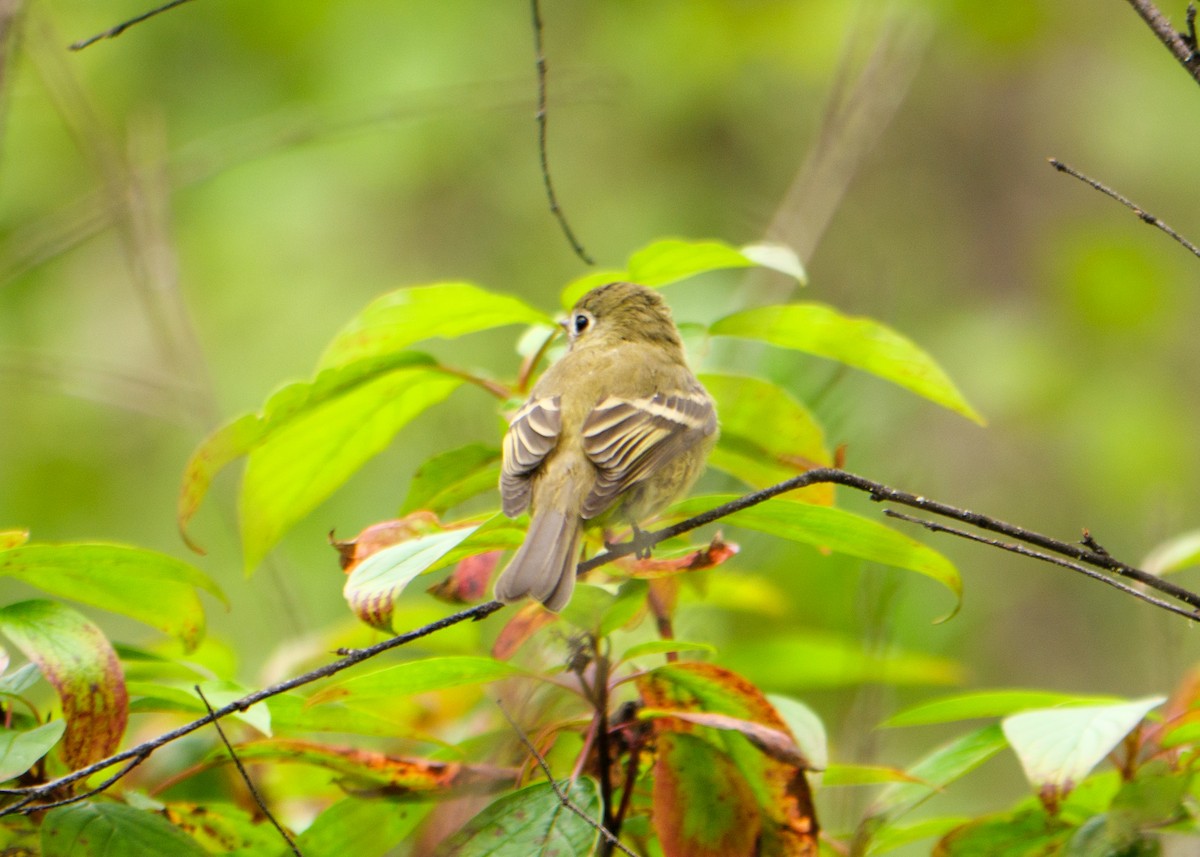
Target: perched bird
[(618, 428)]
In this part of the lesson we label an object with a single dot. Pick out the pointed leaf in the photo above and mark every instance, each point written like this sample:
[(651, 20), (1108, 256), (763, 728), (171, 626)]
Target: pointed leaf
[(20, 750), (767, 436), (415, 677), (804, 723), (306, 459), (859, 342), (938, 769), (836, 530), (658, 647), (702, 804), (104, 829), (986, 703), (1175, 554), (401, 775), (452, 477), (532, 822), (77, 659), (897, 836), (396, 320), (815, 659), (151, 587), (1058, 747), (363, 828), (373, 586), (673, 259)]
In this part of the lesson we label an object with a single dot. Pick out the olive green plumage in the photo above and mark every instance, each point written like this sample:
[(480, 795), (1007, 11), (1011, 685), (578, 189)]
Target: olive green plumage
[(618, 428)]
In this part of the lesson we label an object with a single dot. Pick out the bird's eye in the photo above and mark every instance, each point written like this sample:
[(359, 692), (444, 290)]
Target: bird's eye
[(580, 322)]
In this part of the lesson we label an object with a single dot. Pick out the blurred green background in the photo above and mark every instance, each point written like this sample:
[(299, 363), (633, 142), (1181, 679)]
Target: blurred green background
[(188, 213)]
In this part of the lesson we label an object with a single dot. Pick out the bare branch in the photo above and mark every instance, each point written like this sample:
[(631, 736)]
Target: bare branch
[(562, 796), (1169, 36), (1082, 554), (113, 32), (551, 196), (246, 776), (1143, 215)]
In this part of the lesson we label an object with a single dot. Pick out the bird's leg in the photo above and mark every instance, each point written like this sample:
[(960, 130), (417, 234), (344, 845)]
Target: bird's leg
[(643, 542)]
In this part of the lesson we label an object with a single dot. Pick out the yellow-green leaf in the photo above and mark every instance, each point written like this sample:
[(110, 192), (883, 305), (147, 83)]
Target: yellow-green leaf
[(859, 342)]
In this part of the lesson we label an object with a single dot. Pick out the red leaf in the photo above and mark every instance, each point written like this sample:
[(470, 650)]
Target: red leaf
[(383, 535), (717, 552), (468, 583)]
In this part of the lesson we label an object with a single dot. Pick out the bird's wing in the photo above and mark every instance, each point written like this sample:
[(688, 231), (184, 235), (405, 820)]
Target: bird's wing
[(532, 434), (627, 439)]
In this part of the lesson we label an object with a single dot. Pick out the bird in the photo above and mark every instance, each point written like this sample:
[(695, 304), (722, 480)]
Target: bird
[(616, 429)]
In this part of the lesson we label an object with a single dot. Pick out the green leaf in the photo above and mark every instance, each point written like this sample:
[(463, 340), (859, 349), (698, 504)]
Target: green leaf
[(703, 806), (672, 259), (659, 647), (103, 829), (1058, 747), (219, 828), (20, 750), (151, 587), (816, 659), (600, 612), (396, 320), (986, 703), (76, 658), (897, 836), (372, 588), (162, 697), (859, 342), (531, 822), (1175, 554), (767, 436), (415, 677), (938, 769), (302, 460), (1020, 834), (452, 477), (864, 775), (835, 530), (364, 828)]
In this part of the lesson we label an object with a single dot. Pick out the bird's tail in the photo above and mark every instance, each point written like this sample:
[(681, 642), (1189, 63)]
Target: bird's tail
[(544, 566)]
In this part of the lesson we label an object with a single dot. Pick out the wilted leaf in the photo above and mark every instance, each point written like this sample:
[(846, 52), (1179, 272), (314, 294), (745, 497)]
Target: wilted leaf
[(76, 658), (986, 703), (104, 829), (527, 621), (145, 585), (452, 477), (807, 728), (715, 553), (859, 342), (401, 775), (836, 530), (415, 677), (20, 750), (703, 806), (374, 538), (221, 828), (398, 319), (468, 582), (775, 743), (780, 789), (767, 436), (532, 822), (1058, 747), (373, 586)]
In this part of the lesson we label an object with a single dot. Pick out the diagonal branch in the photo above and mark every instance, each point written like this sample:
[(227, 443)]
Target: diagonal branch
[(1087, 553), (1169, 36), (113, 32)]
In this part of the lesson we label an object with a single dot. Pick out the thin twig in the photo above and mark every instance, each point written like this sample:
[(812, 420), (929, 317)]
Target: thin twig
[(935, 527), (1143, 215), (1168, 35), (551, 196), (113, 32), (876, 491), (246, 776), (562, 796), (75, 798)]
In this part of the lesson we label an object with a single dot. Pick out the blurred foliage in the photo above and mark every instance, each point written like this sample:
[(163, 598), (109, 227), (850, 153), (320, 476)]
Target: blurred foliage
[(189, 214)]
